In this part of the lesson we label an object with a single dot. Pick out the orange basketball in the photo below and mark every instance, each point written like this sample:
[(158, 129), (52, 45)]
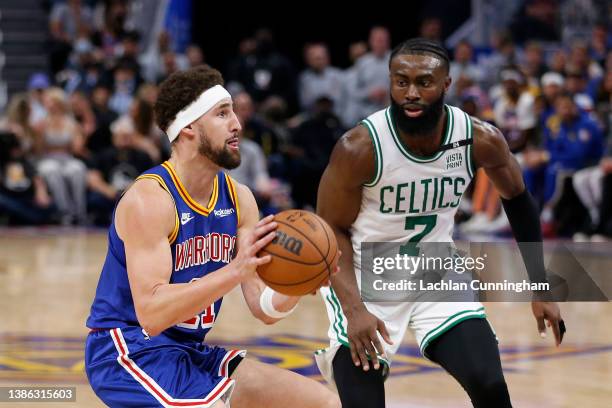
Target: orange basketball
[(304, 253)]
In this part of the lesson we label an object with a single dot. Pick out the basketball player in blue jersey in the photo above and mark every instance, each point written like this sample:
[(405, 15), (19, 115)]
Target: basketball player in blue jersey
[(183, 235), (397, 177)]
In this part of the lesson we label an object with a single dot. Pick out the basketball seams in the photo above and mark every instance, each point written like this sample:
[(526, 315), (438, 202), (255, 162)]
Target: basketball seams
[(326, 236), (291, 259), (307, 238)]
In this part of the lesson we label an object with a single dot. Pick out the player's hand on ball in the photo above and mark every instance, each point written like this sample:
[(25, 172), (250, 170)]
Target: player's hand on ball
[(246, 260), (548, 314), (363, 327)]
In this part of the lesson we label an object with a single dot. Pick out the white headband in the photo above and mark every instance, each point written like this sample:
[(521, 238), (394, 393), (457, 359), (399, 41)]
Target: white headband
[(197, 108)]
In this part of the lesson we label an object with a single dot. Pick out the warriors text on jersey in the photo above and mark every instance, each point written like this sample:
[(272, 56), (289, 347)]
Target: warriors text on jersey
[(202, 241)]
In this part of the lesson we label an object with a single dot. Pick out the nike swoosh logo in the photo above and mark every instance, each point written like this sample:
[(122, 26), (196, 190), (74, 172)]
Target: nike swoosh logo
[(186, 220)]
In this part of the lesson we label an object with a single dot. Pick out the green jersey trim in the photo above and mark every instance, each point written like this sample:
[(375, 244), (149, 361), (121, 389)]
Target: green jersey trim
[(378, 158)]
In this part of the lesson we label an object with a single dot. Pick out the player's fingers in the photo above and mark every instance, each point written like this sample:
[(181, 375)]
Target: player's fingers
[(263, 260), (372, 352), (556, 331), (354, 355), (264, 220), (263, 241), (363, 357), (379, 348), (382, 329), (264, 229), (541, 326)]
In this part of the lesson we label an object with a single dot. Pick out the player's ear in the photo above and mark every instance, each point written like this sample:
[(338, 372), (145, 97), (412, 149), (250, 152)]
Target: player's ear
[(189, 131), (447, 83)]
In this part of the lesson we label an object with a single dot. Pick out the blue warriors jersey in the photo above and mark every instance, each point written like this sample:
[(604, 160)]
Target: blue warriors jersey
[(202, 241)]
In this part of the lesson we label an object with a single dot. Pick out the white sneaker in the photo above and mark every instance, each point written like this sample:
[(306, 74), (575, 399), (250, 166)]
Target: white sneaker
[(474, 223), (499, 224)]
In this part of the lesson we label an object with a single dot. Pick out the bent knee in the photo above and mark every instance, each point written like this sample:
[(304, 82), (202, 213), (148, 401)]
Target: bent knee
[(48, 167), (74, 167)]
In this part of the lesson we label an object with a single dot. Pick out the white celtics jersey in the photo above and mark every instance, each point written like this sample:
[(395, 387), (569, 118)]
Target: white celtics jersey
[(412, 198)]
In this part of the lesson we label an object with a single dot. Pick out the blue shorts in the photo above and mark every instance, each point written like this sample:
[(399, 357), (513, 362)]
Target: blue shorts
[(126, 368)]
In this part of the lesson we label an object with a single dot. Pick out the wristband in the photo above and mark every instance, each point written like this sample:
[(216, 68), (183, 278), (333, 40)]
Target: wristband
[(266, 305)]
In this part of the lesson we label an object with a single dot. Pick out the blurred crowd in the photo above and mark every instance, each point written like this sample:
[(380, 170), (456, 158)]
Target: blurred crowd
[(79, 135)]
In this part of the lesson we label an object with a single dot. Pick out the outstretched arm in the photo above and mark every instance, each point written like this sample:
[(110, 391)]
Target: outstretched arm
[(491, 152)]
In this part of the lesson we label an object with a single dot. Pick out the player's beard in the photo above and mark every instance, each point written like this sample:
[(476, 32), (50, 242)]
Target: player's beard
[(420, 126), (222, 157)]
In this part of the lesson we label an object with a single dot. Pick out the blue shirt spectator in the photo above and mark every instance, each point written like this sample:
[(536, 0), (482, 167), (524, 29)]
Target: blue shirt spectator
[(573, 140)]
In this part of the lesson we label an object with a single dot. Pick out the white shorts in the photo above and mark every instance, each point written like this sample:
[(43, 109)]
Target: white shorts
[(426, 320)]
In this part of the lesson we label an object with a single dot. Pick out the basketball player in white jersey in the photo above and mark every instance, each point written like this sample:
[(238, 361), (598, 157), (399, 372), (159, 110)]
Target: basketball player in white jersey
[(397, 177)]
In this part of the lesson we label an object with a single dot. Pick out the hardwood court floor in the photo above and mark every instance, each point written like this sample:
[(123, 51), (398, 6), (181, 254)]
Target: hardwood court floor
[(48, 278)]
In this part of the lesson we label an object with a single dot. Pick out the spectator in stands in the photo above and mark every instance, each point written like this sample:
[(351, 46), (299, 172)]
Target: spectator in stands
[(265, 72), (372, 74), (593, 186), (313, 141), (603, 227), (603, 103), (514, 111), (580, 61), (558, 61), (320, 78), (64, 173), (170, 65), (194, 55), (65, 22), (108, 37), (350, 108), (253, 128), (552, 86), (537, 20), (463, 71), (253, 172), (17, 122), (113, 169), (83, 113), (503, 54), (572, 141), (37, 85), (431, 28), (126, 81), (100, 139), (130, 45), (145, 137), (24, 198), (576, 84), (533, 66), (148, 92), (600, 44)]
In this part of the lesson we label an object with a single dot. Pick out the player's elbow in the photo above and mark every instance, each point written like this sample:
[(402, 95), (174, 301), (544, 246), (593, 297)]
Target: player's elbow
[(149, 323), (150, 327)]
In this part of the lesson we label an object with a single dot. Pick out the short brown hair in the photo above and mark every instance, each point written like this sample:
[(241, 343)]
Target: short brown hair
[(182, 88)]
